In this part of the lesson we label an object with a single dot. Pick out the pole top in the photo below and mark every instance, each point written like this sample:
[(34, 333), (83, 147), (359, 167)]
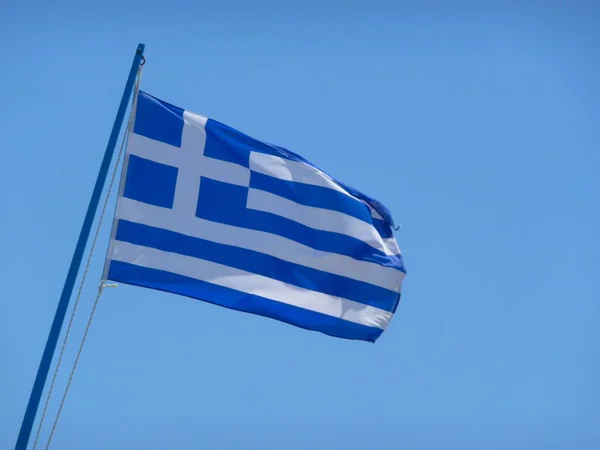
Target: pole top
[(140, 53)]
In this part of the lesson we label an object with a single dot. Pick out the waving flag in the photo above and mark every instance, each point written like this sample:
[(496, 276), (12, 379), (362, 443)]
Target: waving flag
[(210, 213)]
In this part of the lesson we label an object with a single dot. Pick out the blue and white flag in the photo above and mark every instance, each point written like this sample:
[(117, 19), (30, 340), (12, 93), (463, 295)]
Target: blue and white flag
[(208, 212)]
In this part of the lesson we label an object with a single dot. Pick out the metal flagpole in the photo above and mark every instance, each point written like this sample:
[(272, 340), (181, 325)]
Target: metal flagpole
[(63, 304)]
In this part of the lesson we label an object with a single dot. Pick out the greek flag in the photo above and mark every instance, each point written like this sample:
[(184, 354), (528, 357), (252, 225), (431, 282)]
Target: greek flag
[(207, 212)]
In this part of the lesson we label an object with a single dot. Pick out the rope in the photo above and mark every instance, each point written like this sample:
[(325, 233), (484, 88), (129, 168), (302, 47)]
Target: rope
[(80, 289), (87, 329)]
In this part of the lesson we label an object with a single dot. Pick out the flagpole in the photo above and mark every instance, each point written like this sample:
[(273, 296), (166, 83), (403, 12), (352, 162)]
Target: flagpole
[(63, 304)]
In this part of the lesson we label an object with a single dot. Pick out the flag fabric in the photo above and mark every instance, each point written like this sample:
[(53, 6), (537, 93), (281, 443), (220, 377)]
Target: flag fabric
[(210, 213)]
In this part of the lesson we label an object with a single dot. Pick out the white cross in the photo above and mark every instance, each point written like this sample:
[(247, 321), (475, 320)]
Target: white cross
[(190, 161)]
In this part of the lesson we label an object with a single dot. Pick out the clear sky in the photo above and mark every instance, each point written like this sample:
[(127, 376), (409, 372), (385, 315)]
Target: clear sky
[(476, 124)]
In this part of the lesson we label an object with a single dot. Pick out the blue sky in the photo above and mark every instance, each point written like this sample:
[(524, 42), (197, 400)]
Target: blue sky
[(476, 124)]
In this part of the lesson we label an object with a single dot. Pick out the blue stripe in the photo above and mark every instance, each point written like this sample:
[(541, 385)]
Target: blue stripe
[(382, 227), (229, 298), (258, 263), (318, 197), (228, 144), (375, 204), (226, 203)]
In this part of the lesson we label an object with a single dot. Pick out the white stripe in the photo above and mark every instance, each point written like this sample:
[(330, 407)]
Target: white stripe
[(288, 170), (260, 241), (318, 218), (250, 283), (392, 245)]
